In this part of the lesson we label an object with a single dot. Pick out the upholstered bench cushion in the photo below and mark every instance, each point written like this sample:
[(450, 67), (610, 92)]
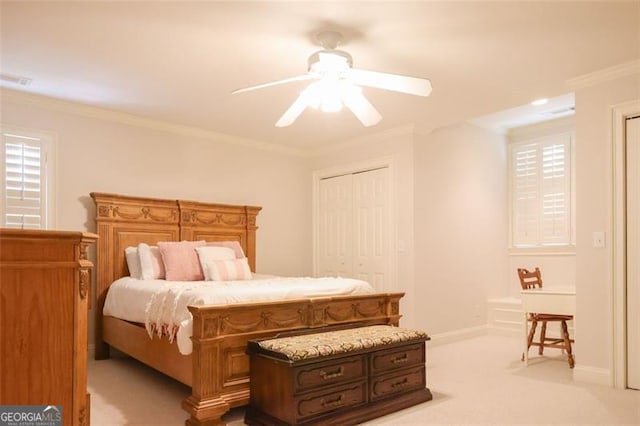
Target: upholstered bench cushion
[(316, 345)]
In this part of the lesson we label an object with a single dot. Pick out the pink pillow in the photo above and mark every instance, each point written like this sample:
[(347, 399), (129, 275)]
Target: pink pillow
[(181, 260), (235, 245), (228, 270)]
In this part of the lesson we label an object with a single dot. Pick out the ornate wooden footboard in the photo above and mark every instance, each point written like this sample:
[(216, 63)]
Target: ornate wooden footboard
[(220, 335), (218, 368)]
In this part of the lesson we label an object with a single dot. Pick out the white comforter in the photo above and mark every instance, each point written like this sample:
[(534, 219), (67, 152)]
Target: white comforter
[(162, 305)]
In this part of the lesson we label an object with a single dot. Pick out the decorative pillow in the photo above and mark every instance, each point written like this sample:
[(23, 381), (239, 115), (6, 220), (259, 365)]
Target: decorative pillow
[(181, 260), (229, 270), (151, 265), (133, 262), (209, 253), (234, 245)]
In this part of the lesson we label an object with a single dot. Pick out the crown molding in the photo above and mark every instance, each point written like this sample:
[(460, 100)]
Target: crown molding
[(484, 126), (423, 130), (606, 74), (558, 125), (383, 135), (139, 121)]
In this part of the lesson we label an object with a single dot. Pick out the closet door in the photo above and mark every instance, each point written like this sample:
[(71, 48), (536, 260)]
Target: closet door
[(633, 252), (371, 227), (335, 228)]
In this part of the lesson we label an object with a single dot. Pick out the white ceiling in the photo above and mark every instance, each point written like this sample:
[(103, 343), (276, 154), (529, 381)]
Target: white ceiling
[(178, 61)]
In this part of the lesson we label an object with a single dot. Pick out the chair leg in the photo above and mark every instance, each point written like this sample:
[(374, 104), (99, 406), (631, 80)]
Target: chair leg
[(532, 332), (530, 337), (543, 333), (567, 344)]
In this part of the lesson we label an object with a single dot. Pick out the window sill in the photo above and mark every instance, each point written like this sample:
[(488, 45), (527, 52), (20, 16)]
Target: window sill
[(543, 251)]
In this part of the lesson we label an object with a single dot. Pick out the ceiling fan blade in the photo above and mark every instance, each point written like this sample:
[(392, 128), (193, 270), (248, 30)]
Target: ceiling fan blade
[(273, 83), (293, 112), (394, 82), (361, 107)]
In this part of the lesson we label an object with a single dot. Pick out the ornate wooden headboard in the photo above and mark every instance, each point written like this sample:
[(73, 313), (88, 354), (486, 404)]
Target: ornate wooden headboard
[(124, 221)]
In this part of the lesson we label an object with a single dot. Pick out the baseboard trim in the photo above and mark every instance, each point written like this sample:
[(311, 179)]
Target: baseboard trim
[(505, 331), (457, 335), (592, 375)]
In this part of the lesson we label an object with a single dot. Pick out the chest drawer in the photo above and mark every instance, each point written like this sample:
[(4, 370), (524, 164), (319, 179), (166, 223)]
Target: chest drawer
[(397, 382), (402, 357), (329, 373), (330, 400)]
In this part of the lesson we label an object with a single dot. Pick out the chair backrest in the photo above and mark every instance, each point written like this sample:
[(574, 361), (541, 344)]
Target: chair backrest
[(530, 279)]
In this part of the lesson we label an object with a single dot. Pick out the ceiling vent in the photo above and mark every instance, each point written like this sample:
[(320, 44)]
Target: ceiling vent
[(22, 81), (560, 111)]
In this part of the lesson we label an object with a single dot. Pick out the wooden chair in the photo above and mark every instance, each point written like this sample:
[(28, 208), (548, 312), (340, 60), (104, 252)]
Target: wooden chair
[(529, 280)]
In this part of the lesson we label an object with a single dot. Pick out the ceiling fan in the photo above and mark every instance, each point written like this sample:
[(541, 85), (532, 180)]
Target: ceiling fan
[(337, 83)]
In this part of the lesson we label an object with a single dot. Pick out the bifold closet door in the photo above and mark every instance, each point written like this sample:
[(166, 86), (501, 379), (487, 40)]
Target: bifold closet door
[(335, 227), (354, 227), (633, 252)]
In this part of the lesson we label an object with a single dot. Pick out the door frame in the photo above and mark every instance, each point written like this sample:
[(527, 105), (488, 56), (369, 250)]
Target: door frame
[(362, 166), (619, 271)]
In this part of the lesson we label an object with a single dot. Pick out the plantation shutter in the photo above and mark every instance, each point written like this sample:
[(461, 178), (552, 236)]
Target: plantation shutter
[(525, 194), (541, 192), (556, 192), (24, 194)]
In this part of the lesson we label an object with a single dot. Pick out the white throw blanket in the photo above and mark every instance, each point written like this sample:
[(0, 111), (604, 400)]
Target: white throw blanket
[(166, 312)]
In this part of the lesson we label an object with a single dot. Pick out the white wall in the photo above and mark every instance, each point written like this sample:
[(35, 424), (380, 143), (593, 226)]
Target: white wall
[(460, 226), (95, 154), (593, 347), (396, 143)]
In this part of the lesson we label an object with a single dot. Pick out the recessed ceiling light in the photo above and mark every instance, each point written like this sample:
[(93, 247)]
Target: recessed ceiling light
[(539, 102)]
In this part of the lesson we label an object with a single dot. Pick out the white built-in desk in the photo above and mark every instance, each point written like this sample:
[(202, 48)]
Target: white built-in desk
[(546, 300)]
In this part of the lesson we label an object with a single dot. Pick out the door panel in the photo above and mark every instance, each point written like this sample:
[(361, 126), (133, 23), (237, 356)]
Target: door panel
[(371, 200), (633, 253), (335, 206)]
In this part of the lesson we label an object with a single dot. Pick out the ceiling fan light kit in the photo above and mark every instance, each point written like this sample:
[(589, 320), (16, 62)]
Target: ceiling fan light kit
[(338, 84)]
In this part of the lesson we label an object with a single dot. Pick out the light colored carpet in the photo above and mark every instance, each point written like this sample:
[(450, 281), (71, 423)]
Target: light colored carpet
[(476, 381)]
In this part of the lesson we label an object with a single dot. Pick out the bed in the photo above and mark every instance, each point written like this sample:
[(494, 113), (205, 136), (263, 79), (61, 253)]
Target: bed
[(217, 370)]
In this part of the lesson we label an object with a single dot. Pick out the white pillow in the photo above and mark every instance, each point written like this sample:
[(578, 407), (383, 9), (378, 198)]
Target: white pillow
[(207, 254), (228, 270), (235, 245), (151, 265), (133, 262)]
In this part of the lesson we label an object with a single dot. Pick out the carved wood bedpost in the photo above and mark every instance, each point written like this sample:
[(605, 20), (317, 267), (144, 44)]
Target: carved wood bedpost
[(393, 308), (104, 275), (251, 213), (205, 405)]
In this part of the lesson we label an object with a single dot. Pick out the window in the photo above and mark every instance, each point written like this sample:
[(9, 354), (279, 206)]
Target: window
[(27, 179), (541, 192)]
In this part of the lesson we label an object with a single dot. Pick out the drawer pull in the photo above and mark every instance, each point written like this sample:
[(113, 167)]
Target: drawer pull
[(400, 359), (403, 382), (331, 375), (335, 403)]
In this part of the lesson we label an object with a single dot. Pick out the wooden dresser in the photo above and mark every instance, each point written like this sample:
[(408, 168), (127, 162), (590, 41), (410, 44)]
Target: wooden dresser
[(342, 377), (45, 280)]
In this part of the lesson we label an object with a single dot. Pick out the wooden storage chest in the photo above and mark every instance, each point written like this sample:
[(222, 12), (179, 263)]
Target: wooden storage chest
[(338, 377)]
